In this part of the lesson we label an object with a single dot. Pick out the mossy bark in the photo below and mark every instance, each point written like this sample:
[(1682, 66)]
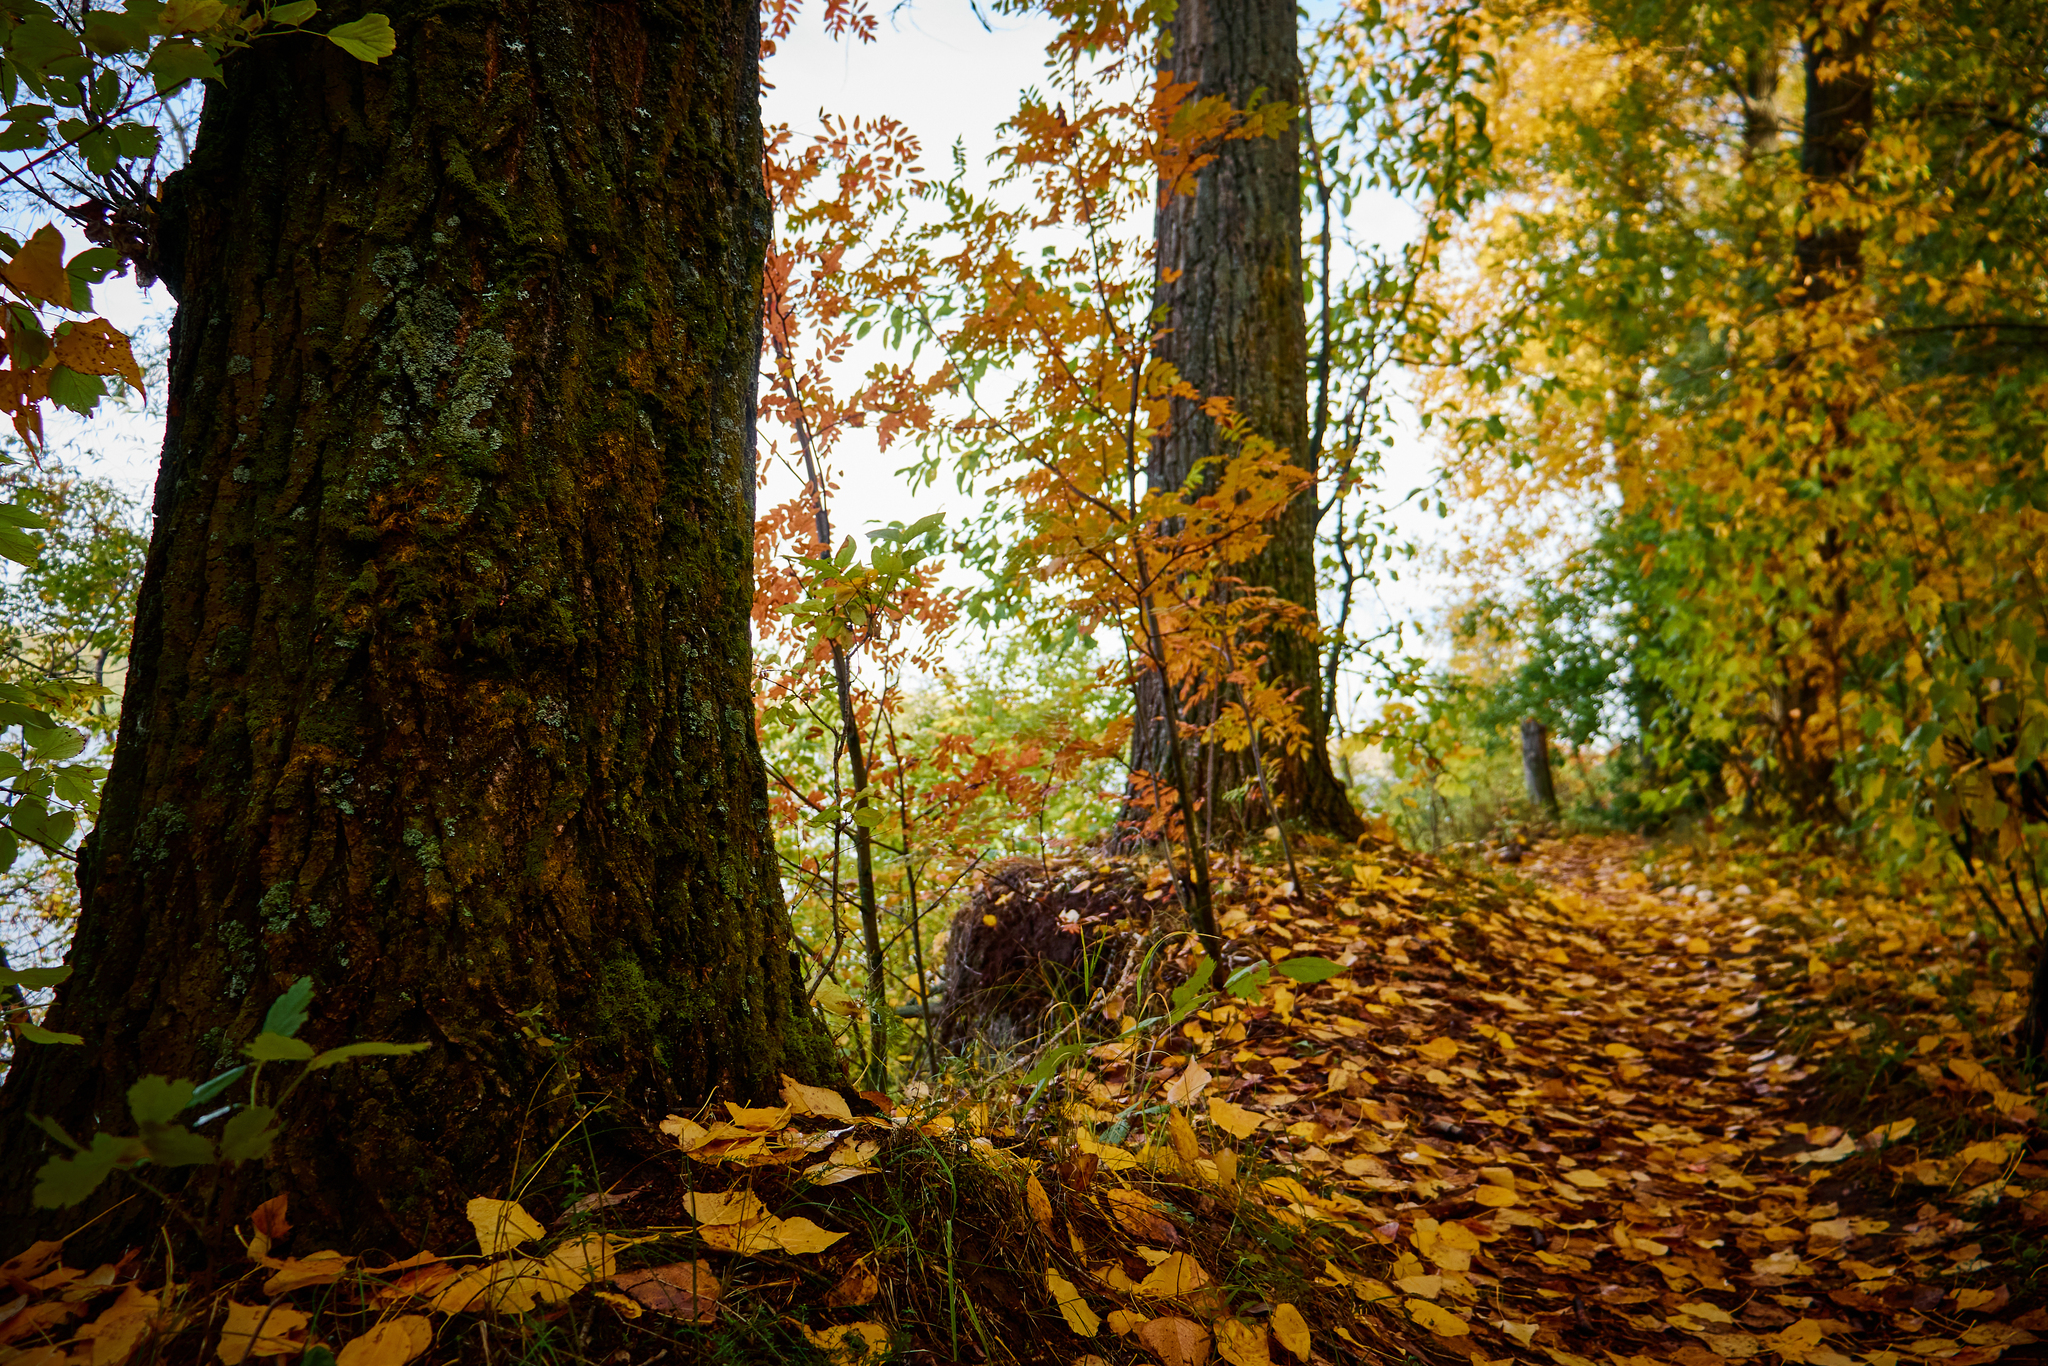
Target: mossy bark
[(1230, 292), (441, 681)]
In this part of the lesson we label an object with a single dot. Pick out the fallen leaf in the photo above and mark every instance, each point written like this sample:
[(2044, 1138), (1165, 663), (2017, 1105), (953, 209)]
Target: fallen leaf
[(1234, 1120), (800, 1235), (1183, 1089), (1072, 1307), (1436, 1319), (120, 1326), (725, 1207), (1291, 1329), (260, 1330), (761, 1119), (681, 1290), (502, 1225), (322, 1268), (1176, 1341), (1040, 1203), (820, 1101), (851, 1343), (1140, 1217), (390, 1343), (1177, 1274), (857, 1287), (1122, 1321), (1439, 1050), (1241, 1343)]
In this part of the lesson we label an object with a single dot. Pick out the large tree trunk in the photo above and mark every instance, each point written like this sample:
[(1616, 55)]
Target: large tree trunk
[(1230, 287), (440, 690)]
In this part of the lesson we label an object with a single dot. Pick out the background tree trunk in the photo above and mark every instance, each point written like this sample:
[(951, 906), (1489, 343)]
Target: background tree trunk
[(441, 683), (1536, 774), (1234, 326)]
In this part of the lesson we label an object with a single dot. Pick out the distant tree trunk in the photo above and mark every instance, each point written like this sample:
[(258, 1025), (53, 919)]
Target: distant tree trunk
[(1841, 103), (441, 683), (1536, 766), (1230, 286)]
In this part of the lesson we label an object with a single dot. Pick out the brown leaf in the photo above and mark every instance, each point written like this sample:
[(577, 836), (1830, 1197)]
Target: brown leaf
[(1176, 1341), (857, 1287), (681, 1290)]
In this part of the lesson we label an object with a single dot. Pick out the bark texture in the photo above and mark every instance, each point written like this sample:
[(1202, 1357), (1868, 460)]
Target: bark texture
[(441, 682), (1230, 292)]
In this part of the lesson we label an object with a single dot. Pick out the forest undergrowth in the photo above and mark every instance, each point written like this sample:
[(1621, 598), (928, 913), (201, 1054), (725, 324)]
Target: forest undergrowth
[(1610, 1104)]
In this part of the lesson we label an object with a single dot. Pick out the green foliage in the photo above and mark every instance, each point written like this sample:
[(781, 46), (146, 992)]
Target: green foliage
[(155, 1103)]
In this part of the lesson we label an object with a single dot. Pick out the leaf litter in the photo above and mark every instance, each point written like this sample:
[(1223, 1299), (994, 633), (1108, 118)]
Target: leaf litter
[(1569, 1120)]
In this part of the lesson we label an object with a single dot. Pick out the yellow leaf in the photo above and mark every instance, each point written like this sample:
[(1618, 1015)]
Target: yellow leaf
[(759, 1118), (1183, 1136), (835, 999), (1621, 1050), (625, 1304), (501, 1225), (1183, 1089), (851, 1343), (1495, 1197), (322, 1268), (1241, 1343), (120, 1327), (800, 1235), (1040, 1203), (96, 348), (1178, 1274), (1176, 1341), (1706, 1313), (1524, 1333), (1122, 1321), (814, 1100), (391, 1343), (1072, 1307), (1291, 1329), (1436, 1319), (725, 1207), (1439, 1050), (1234, 1120), (1580, 1176), (462, 1292), (260, 1330), (37, 270)]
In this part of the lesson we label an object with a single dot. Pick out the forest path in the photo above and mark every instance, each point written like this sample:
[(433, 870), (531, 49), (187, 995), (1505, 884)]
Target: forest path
[(1579, 1126)]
